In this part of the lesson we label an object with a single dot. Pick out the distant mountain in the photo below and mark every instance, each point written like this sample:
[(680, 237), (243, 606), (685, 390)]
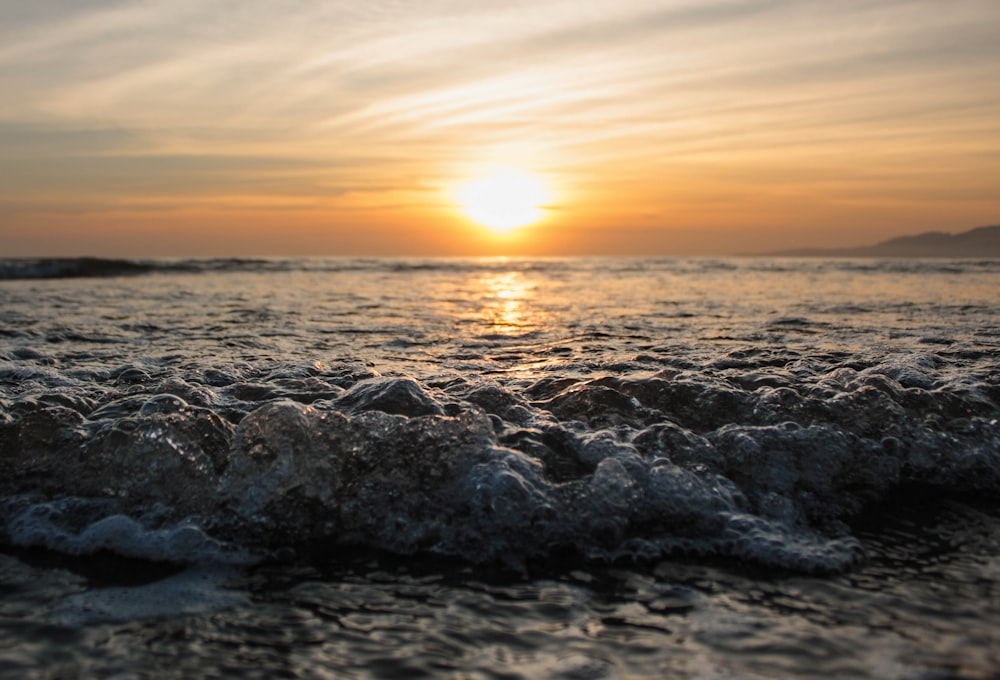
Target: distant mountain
[(981, 242)]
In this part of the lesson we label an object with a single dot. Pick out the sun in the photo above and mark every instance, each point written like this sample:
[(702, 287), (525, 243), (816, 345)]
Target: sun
[(504, 199)]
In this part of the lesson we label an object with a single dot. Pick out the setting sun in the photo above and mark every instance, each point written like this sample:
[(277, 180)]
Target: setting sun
[(504, 199)]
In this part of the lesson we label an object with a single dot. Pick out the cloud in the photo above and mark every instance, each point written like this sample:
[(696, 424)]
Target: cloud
[(186, 99)]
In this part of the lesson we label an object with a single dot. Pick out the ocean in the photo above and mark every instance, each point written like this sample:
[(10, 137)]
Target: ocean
[(575, 468)]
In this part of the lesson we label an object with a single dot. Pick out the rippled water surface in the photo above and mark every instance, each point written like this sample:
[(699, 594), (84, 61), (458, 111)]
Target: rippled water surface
[(500, 468)]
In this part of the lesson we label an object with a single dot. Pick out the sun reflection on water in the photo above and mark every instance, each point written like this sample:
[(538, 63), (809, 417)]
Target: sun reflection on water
[(507, 298)]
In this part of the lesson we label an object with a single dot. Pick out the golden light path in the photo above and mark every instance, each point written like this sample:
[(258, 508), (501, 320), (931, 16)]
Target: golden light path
[(504, 199), (508, 295)]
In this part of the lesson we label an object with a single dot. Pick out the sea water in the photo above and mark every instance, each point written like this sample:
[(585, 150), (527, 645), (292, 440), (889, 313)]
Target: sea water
[(500, 468)]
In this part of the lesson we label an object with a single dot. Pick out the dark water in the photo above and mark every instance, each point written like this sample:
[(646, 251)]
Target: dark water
[(500, 468)]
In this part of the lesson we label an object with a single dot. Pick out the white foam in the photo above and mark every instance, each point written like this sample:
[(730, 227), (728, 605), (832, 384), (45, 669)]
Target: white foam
[(185, 542)]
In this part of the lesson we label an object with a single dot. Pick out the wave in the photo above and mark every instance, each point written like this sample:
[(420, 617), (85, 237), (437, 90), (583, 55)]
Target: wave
[(765, 468), (77, 267), (97, 267)]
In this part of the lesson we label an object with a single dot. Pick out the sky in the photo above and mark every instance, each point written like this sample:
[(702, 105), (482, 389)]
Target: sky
[(674, 127)]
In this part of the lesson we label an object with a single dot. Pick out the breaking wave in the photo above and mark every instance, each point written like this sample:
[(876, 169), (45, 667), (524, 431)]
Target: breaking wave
[(97, 267), (754, 462)]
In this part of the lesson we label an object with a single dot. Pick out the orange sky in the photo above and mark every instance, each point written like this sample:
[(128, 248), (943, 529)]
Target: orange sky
[(211, 127)]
